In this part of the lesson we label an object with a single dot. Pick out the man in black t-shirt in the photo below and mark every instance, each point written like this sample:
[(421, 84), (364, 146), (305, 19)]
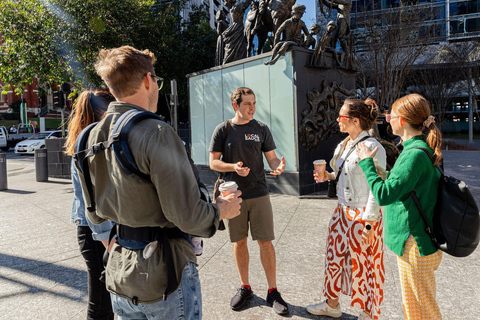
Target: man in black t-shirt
[(242, 162)]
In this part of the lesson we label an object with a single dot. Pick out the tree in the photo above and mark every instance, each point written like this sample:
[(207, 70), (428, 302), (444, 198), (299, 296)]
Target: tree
[(58, 41), (391, 42), (439, 84)]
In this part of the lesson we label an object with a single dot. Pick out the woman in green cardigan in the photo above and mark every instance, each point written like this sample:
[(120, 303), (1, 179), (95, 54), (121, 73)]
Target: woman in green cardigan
[(417, 256)]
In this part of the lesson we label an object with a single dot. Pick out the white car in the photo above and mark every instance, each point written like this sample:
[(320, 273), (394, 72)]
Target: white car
[(36, 142)]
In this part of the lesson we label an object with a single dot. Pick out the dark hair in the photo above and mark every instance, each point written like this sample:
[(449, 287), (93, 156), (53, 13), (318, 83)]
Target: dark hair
[(366, 111), (123, 69), (88, 108), (236, 96), (415, 109)]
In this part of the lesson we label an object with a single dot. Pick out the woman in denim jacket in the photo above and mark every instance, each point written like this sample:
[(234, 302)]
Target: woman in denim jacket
[(354, 249), (92, 239)]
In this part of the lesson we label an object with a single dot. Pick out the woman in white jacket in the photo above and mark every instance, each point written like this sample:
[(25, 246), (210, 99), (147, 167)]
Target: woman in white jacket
[(354, 249)]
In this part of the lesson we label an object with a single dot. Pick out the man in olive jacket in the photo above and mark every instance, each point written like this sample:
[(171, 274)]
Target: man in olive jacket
[(137, 275)]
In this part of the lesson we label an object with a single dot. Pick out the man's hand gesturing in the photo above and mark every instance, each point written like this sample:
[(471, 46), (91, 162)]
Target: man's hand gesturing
[(240, 170), (280, 168)]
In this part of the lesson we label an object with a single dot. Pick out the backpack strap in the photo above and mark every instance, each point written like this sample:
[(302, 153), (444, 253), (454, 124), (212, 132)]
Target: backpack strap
[(416, 201), (439, 168), (80, 157), (229, 126), (121, 149)]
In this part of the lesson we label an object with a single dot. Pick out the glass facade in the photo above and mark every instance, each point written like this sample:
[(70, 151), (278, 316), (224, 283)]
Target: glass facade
[(449, 19), (274, 91)]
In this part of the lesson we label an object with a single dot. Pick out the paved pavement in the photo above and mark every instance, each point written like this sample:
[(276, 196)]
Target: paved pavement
[(42, 275), (474, 144)]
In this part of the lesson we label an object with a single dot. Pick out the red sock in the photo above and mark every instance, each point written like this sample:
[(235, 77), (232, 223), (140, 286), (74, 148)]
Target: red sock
[(270, 290), (247, 286)]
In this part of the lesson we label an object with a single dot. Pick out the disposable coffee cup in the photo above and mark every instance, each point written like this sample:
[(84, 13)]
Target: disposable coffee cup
[(320, 166), (228, 187)]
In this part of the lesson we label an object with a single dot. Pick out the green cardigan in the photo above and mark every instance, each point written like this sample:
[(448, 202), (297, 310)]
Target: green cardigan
[(412, 171)]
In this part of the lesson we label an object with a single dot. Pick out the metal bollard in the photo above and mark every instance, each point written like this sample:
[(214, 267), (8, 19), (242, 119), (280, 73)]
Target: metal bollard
[(41, 165), (3, 171)]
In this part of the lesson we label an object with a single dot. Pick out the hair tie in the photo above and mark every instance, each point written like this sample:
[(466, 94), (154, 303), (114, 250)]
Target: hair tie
[(429, 121)]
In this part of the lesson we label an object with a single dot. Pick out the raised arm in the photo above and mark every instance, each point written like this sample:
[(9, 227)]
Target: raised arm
[(329, 4), (246, 4)]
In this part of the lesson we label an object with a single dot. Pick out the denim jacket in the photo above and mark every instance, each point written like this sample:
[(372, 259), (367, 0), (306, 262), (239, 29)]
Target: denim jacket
[(355, 186), (100, 232)]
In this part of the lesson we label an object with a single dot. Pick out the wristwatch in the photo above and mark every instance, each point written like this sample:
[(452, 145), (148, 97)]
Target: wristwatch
[(368, 227)]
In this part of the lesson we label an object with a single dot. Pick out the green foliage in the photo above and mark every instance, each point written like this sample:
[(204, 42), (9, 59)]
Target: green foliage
[(15, 116), (59, 40)]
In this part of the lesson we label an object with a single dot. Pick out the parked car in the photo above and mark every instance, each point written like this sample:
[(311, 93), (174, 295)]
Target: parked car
[(36, 142), (9, 140)]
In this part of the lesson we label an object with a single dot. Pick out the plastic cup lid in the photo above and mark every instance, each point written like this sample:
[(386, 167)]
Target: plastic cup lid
[(227, 186)]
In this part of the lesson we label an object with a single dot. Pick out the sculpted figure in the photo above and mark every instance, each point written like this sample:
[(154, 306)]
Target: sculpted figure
[(325, 43), (249, 26), (234, 39), (343, 7), (222, 25), (310, 41), (292, 28)]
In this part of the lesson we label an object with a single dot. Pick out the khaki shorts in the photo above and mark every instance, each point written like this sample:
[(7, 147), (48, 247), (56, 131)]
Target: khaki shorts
[(256, 213)]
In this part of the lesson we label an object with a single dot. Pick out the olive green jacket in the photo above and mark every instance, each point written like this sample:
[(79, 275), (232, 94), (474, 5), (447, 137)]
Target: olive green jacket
[(172, 199), (413, 170)]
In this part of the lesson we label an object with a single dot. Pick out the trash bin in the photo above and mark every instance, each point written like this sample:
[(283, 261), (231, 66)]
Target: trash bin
[(41, 165), (3, 171)]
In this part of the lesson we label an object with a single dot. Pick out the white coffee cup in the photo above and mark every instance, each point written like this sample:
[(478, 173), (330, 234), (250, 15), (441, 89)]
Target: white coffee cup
[(227, 187)]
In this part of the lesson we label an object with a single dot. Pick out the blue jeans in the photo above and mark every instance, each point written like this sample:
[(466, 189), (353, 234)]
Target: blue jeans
[(184, 303)]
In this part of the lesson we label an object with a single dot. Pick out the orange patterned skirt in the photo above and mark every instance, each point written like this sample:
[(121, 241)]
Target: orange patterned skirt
[(352, 268)]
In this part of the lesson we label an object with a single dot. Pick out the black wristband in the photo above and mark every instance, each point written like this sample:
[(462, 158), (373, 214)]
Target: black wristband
[(368, 227)]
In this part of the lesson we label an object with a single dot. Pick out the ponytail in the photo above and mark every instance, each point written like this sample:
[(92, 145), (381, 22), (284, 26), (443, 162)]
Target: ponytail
[(88, 108), (415, 110), (434, 141)]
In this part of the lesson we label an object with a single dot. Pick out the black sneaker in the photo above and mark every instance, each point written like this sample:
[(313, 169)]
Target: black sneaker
[(239, 299), (278, 304)]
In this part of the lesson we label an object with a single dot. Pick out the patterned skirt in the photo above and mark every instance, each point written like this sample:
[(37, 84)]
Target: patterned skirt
[(352, 268)]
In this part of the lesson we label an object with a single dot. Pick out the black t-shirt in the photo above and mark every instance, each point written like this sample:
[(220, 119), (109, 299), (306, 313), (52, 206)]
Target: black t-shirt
[(246, 143)]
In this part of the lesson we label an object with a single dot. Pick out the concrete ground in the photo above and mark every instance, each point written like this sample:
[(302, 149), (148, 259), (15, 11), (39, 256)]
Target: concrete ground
[(42, 274)]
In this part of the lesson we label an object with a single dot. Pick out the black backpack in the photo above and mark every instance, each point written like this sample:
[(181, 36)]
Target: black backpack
[(456, 220)]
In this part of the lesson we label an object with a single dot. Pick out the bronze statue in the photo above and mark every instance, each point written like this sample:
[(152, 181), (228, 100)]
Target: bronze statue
[(325, 44), (222, 25), (276, 12), (343, 7), (234, 40), (292, 28), (249, 26), (310, 41)]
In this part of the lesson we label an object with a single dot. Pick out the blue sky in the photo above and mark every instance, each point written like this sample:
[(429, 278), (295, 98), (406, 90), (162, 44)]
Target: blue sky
[(309, 16)]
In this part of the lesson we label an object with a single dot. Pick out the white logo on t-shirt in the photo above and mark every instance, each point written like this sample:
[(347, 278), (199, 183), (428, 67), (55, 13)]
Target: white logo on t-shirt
[(252, 136)]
